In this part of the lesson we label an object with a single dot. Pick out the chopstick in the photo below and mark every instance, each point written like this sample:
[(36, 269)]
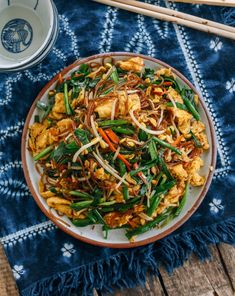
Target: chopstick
[(170, 15), (230, 3)]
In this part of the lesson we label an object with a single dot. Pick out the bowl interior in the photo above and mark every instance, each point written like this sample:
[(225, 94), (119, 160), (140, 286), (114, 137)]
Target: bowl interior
[(25, 29), (117, 238), (46, 50)]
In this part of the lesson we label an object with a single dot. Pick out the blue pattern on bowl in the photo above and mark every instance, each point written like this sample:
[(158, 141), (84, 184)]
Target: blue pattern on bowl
[(17, 35)]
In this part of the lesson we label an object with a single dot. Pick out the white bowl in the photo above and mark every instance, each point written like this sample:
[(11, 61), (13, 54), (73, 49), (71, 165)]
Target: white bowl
[(42, 55), (116, 238), (26, 27)]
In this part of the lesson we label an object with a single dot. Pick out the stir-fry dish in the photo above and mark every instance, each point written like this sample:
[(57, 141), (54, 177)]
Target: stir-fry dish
[(118, 144)]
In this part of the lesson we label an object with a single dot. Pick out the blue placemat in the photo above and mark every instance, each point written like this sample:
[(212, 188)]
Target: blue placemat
[(46, 261)]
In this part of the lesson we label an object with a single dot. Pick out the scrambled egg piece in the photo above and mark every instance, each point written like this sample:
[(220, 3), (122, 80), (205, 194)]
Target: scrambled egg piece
[(101, 175), (53, 201), (132, 100), (184, 119), (194, 178), (59, 106), (197, 127), (36, 129), (179, 172), (65, 124), (173, 195), (136, 64), (204, 141), (175, 95), (116, 219), (165, 71), (37, 136)]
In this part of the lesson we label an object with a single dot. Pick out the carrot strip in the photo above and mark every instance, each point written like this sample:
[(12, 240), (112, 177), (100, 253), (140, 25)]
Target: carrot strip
[(120, 156), (105, 137), (112, 136), (167, 83)]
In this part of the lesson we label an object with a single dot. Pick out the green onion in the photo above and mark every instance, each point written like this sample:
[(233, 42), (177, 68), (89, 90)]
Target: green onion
[(122, 170), (144, 168), (43, 153), (107, 91), (125, 131), (107, 123), (81, 222), (142, 135), (190, 106), (164, 168), (36, 118), (81, 205), (42, 106), (99, 217), (156, 198), (182, 201), (80, 194), (196, 141), (107, 203), (178, 105), (68, 108), (152, 150), (148, 226), (167, 145), (114, 75)]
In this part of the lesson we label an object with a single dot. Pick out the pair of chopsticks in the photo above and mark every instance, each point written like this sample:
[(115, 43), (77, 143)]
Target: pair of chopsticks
[(230, 3), (170, 15)]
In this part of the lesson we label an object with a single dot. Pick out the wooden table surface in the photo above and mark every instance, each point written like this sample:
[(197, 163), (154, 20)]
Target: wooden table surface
[(214, 277)]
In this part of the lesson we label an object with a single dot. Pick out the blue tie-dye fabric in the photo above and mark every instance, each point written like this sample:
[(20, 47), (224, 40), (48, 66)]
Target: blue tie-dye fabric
[(46, 261)]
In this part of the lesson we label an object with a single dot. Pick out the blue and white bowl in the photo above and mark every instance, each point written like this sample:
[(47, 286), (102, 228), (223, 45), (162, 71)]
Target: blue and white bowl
[(27, 29)]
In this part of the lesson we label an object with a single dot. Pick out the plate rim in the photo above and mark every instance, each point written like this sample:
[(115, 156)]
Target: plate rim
[(128, 244)]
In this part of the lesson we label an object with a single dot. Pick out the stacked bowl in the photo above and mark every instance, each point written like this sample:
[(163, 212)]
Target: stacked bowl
[(28, 31)]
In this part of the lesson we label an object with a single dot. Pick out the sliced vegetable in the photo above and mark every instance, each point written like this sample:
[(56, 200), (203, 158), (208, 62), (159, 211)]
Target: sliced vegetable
[(167, 145), (190, 106), (149, 225), (196, 141), (114, 76), (112, 136), (81, 205), (68, 108), (108, 123), (178, 105), (124, 131), (43, 153), (156, 198)]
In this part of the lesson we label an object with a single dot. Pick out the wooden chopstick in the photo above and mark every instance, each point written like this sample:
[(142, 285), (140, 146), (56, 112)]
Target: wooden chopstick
[(230, 3), (170, 15), (177, 14)]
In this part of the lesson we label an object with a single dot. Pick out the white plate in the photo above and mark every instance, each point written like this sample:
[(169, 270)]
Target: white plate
[(116, 238)]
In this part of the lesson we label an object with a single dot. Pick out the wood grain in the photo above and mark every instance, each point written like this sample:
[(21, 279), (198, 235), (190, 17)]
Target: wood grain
[(152, 287), (7, 283), (215, 277), (227, 253)]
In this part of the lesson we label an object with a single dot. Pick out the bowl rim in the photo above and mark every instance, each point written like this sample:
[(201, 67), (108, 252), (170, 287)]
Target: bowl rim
[(42, 47), (128, 244)]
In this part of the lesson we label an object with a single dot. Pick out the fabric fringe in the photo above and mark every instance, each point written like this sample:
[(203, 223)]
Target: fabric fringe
[(228, 15), (129, 268)]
